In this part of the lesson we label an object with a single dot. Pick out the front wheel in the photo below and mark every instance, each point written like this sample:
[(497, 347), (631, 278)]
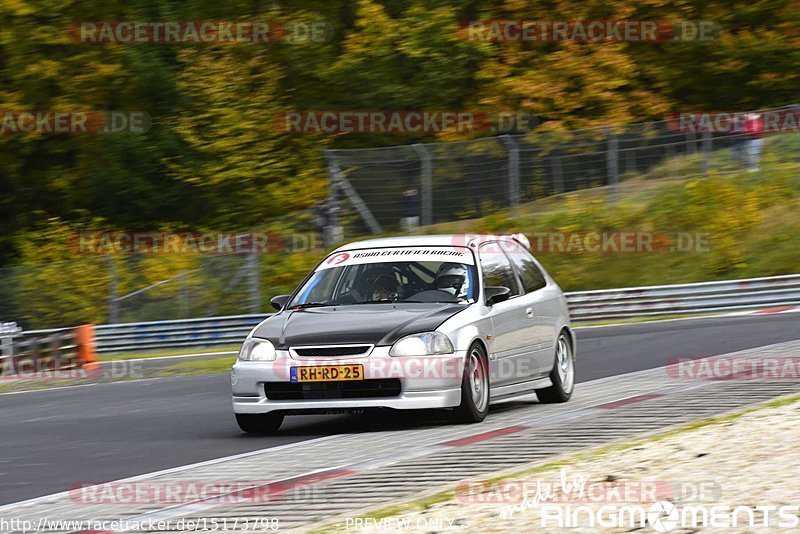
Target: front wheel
[(563, 374), (474, 387), (259, 423)]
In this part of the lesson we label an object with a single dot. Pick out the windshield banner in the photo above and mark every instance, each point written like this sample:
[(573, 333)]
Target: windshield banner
[(387, 255)]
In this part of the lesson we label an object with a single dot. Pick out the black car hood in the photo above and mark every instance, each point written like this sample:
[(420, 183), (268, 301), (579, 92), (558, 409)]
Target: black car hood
[(376, 324)]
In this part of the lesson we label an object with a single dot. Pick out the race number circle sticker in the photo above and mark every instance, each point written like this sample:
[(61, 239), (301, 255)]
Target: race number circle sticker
[(338, 258)]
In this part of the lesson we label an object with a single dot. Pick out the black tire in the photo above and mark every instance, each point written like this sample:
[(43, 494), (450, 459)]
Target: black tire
[(559, 391), (470, 410), (259, 423)]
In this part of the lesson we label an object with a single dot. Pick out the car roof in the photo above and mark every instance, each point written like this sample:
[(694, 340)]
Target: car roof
[(440, 240)]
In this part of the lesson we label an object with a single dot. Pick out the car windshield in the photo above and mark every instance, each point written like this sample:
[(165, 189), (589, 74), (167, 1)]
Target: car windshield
[(366, 277)]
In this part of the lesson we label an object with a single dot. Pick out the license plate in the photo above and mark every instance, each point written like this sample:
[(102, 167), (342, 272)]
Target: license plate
[(326, 373)]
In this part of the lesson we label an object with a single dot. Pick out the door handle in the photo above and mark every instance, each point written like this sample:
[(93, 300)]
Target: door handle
[(529, 312)]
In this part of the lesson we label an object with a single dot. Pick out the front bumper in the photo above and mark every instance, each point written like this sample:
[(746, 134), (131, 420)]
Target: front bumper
[(425, 382)]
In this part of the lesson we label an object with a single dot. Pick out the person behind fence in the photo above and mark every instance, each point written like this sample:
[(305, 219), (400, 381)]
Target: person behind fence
[(411, 209), (754, 139), (321, 218)]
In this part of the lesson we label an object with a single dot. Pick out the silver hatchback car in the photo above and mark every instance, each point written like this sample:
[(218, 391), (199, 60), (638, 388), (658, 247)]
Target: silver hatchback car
[(446, 321)]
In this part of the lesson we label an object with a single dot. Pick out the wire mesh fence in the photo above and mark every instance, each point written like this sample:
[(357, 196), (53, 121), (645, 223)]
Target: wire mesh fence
[(439, 182), (130, 288)]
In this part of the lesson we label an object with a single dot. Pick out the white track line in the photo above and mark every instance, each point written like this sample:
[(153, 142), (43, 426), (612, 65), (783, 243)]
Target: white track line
[(171, 470)]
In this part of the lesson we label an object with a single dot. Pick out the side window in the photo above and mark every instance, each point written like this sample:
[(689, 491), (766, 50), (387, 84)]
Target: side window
[(529, 273), (497, 270)]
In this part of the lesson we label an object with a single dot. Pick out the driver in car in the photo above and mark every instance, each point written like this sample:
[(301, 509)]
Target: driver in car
[(384, 288), (452, 278)]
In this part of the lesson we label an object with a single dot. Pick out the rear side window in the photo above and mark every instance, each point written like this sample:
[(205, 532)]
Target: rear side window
[(497, 270), (529, 273)]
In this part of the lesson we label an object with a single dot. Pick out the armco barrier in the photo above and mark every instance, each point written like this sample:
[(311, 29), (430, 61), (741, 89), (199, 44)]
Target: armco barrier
[(202, 332), (36, 350), (684, 299), (600, 305)]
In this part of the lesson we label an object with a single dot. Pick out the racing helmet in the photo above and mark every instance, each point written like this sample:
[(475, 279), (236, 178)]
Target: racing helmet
[(452, 277)]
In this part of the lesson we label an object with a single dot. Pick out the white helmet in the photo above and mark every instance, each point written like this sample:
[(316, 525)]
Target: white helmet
[(452, 277)]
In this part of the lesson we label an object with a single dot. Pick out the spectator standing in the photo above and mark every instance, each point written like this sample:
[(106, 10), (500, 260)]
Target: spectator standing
[(411, 210), (754, 140)]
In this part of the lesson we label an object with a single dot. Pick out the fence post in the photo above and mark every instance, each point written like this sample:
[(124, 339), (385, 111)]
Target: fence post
[(612, 163), (426, 183), (113, 301), (255, 286), (706, 151), (513, 169), (341, 182)]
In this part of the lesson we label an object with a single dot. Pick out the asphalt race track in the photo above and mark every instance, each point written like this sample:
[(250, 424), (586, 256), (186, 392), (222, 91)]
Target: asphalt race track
[(52, 440)]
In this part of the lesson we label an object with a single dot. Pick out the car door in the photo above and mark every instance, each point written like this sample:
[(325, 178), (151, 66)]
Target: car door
[(542, 300), (511, 347)]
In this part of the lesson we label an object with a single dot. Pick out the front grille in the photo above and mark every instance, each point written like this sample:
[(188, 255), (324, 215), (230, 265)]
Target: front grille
[(353, 389), (331, 351)]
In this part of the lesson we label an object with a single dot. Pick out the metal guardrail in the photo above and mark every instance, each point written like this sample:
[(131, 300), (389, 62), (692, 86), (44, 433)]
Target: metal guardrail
[(39, 350), (684, 299), (201, 332), (605, 304)]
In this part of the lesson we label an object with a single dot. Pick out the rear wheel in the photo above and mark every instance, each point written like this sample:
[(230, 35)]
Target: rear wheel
[(474, 387), (259, 423), (563, 374)]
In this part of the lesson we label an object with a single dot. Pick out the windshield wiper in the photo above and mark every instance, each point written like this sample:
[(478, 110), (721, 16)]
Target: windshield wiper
[(378, 301), (434, 301)]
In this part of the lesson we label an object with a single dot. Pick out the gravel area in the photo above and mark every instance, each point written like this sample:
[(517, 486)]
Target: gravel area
[(748, 461)]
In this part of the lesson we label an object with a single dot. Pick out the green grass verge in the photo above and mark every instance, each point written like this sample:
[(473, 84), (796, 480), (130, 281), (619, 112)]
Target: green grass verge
[(116, 356), (198, 367)]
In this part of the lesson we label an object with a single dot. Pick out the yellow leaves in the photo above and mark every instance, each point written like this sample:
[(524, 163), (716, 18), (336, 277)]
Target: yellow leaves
[(18, 8)]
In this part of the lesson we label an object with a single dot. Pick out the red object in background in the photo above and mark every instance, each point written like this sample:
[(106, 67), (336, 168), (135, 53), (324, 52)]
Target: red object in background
[(754, 126)]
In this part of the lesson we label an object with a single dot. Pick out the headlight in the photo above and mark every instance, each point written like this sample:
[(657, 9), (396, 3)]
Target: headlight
[(425, 344), (257, 350)]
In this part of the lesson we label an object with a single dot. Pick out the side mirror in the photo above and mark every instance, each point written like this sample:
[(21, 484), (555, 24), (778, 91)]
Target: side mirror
[(495, 294), (279, 302)]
